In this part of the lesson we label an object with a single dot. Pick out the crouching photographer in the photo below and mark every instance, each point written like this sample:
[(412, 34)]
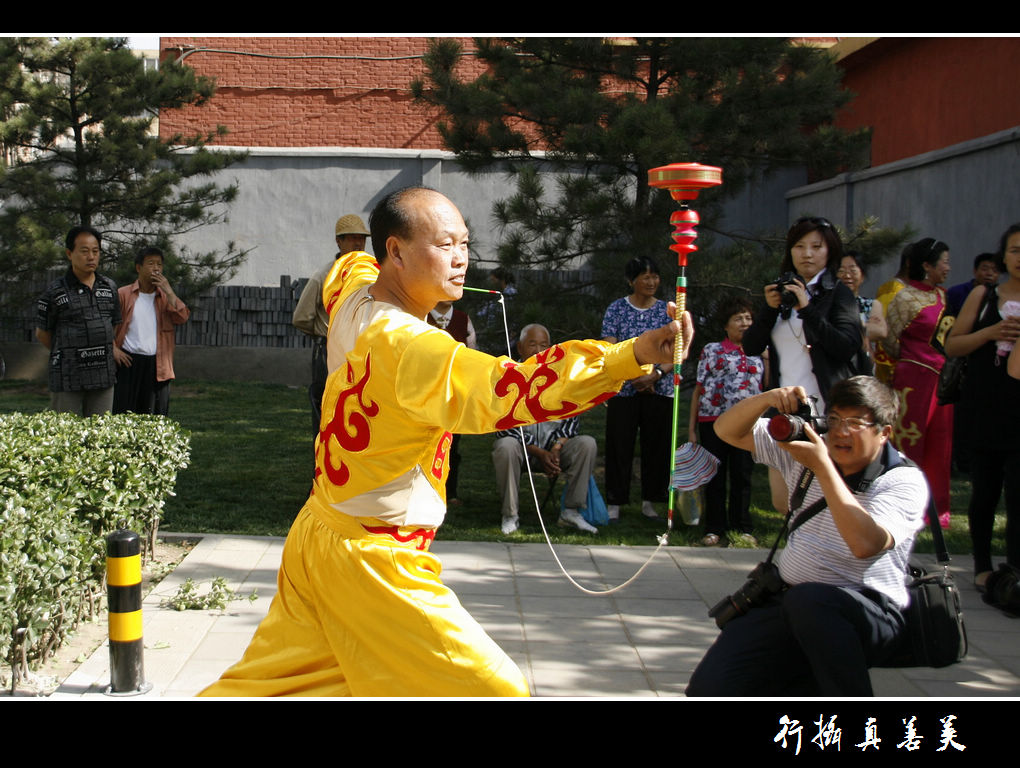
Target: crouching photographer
[(857, 505)]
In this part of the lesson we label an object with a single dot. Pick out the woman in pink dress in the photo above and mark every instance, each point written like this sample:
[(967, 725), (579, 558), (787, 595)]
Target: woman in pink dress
[(918, 327)]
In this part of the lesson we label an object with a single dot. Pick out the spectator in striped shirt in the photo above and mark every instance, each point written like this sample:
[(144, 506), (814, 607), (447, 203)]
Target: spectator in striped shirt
[(844, 569)]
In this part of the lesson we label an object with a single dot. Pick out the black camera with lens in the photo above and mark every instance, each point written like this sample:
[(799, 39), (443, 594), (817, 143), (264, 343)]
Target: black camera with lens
[(787, 427), (763, 582), (787, 298)]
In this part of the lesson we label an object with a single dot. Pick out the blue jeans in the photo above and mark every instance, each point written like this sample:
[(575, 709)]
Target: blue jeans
[(810, 640)]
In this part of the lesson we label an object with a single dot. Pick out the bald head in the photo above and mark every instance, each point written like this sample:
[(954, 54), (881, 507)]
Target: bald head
[(534, 339), (399, 215), (421, 243)]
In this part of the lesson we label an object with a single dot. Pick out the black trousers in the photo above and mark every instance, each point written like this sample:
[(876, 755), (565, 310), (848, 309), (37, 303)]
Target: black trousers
[(650, 415), (811, 640), (318, 386), (990, 471), (137, 390), (454, 458), (736, 466)]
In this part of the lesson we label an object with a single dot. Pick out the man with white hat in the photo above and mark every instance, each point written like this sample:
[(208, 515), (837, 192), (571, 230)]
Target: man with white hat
[(310, 315)]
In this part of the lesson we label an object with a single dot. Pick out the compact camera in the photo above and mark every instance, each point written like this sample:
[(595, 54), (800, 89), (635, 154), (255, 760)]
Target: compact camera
[(787, 427), (763, 582)]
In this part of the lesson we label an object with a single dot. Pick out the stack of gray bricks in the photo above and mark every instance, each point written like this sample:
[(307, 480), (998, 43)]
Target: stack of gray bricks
[(245, 316)]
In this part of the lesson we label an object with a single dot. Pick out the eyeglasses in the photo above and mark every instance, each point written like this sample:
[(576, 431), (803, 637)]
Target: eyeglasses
[(852, 424), (847, 270)]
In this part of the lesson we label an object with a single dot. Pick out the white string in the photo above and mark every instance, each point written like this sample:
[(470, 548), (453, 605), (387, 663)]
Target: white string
[(663, 538)]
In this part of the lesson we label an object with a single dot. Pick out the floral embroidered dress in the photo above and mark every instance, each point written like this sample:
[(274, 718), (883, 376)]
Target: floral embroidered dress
[(918, 327), (884, 364)]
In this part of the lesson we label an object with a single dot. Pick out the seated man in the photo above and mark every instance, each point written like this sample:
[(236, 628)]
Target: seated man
[(554, 444), (843, 570)]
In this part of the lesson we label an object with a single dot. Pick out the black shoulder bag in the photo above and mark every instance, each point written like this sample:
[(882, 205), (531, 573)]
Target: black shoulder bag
[(936, 636), (954, 370)]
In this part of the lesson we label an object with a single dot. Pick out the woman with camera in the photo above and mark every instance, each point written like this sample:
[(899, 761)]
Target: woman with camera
[(984, 331), (918, 326), (810, 324)]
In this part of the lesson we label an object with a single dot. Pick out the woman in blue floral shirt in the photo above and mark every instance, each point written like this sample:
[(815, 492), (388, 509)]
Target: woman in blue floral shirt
[(726, 376), (645, 404)]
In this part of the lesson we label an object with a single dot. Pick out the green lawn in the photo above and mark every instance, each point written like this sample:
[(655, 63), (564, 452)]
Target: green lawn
[(251, 469)]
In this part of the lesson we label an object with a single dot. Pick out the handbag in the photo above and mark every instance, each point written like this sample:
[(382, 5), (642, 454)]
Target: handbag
[(950, 388), (954, 371), (596, 513), (935, 632)]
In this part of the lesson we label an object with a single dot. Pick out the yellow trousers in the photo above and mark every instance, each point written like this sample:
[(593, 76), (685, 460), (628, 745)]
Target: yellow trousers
[(361, 611)]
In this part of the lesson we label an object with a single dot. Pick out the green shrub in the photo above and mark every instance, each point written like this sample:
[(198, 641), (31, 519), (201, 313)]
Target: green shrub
[(65, 482)]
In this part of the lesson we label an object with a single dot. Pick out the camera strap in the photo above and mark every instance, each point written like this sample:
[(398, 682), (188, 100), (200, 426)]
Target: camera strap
[(887, 458)]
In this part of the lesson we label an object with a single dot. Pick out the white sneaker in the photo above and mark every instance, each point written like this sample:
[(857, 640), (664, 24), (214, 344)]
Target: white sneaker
[(648, 510), (571, 517), (510, 524), (614, 511)]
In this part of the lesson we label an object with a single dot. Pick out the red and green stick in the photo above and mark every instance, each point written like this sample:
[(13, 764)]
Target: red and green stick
[(684, 181)]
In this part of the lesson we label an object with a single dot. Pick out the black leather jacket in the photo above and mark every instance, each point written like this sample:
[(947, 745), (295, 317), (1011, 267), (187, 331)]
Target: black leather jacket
[(832, 329)]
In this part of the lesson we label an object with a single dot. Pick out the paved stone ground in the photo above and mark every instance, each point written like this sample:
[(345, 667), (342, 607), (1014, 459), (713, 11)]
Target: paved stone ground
[(641, 642)]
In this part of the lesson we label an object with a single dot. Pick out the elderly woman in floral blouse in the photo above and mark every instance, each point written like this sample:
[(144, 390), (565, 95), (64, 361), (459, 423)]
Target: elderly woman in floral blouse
[(725, 376), (643, 409)]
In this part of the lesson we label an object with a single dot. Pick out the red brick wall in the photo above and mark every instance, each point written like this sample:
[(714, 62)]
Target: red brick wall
[(360, 101), (922, 94)]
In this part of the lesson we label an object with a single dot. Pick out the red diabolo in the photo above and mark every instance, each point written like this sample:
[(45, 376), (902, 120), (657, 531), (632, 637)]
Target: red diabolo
[(685, 180)]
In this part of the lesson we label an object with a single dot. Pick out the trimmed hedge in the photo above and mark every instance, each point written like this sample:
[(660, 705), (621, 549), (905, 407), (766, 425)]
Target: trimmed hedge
[(66, 482)]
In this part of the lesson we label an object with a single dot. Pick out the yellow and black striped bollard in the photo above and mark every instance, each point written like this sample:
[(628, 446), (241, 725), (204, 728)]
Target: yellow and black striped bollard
[(124, 596)]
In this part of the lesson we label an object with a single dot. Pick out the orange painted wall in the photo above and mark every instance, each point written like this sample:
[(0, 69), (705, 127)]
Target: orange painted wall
[(921, 94), (308, 91)]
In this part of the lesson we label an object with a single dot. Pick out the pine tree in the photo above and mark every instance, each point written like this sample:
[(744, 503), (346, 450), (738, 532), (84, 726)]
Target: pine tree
[(75, 127), (599, 113)]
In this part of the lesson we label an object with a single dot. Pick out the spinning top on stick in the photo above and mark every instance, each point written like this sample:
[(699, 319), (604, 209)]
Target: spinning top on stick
[(684, 181)]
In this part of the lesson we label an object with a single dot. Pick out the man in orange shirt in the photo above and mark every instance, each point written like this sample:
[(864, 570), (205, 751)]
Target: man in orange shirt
[(144, 343)]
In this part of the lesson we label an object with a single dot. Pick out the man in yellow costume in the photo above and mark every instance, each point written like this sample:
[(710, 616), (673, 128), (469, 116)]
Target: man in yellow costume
[(361, 610)]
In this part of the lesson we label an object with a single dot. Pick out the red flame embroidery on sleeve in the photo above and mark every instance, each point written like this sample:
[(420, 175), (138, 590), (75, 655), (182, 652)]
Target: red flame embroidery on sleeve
[(349, 429), (442, 449), (530, 390)]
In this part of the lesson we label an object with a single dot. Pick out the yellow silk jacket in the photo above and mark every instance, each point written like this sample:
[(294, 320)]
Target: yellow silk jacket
[(399, 388)]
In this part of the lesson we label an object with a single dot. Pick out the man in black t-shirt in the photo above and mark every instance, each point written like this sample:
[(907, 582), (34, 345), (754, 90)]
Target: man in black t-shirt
[(75, 317)]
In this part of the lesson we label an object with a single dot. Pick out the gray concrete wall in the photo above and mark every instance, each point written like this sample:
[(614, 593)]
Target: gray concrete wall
[(965, 195), (289, 200)]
